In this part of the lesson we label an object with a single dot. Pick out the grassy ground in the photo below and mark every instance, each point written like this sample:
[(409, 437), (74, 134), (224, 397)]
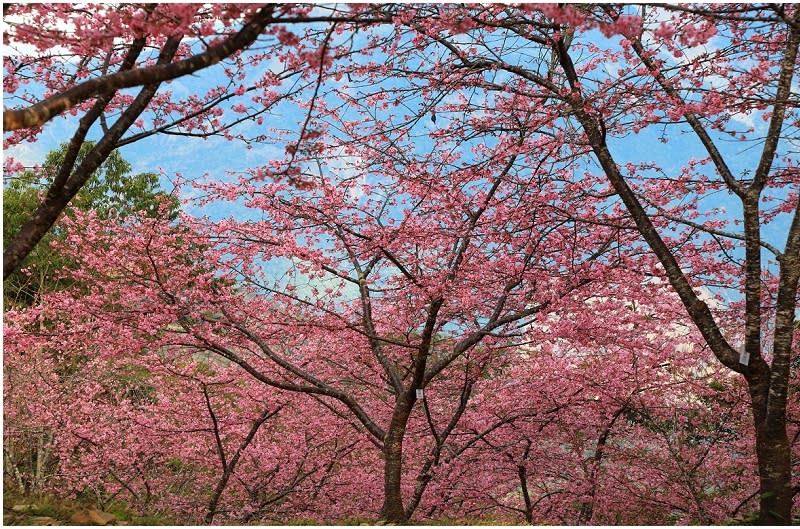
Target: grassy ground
[(62, 510)]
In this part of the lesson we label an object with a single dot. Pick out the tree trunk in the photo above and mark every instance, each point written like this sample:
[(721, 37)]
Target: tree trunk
[(214, 501), (774, 473), (767, 385), (522, 472), (393, 510), (772, 447)]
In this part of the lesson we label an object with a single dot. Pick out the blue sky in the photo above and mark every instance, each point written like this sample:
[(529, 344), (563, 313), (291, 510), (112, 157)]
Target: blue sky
[(217, 158)]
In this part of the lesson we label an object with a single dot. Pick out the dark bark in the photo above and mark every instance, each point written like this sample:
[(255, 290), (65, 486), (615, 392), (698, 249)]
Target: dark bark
[(424, 476), (228, 467), (522, 474), (64, 188), (774, 473), (393, 510), (767, 384), (587, 511), (66, 185), (771, 440), (46, 110)]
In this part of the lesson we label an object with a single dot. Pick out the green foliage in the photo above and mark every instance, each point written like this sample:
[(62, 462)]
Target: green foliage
[(175, 465), (112, 191), (717, 386), (120, 509)]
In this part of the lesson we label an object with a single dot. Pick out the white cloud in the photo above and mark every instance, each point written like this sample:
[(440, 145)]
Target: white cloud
[(24, 49), (28, 154), (745, 119)]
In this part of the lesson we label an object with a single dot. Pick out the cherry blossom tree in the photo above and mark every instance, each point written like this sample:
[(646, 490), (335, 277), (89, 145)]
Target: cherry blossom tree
[(161, 430), (113, 191), (60, 61), (132, 319), (456, 176), (603, 80), (405, 281), (576, 448)]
